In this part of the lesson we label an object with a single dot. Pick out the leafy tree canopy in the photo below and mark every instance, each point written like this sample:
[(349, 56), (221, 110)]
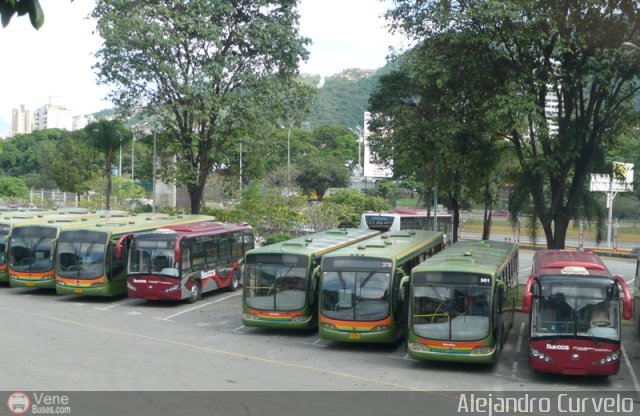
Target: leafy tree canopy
[(13, 188), (210, 70), (9, 8)]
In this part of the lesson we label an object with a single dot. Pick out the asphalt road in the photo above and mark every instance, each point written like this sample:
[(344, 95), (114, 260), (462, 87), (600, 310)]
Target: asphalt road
[(68, 343)]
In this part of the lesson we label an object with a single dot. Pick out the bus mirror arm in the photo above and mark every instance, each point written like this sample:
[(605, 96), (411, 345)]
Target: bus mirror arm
[(313, 285), (627, 311), (405, 281), (527, 295)]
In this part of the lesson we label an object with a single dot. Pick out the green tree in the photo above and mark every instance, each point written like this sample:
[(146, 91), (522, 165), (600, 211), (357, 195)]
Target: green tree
[(13, 188), (74, 165), (353, 203), (106, 136), (9, 8), (210, 70), (322, 173), (432, 118), (570, 51)]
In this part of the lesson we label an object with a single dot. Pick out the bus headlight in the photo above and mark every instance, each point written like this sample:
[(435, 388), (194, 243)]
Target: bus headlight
[(609, 358), (131, 287), (482, 350), (249, 316), (328, 325), (539, 355), (172, 289), (381, 328), (48, 277), (60, 283), (418, 346), (300, 318)]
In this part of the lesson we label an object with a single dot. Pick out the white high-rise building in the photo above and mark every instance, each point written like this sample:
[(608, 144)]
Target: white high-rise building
[(53, 116), (21, 120), (81, 121)]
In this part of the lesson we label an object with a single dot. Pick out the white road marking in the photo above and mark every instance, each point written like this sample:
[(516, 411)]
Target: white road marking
[(108, 308), (168, 318), (634, 376)]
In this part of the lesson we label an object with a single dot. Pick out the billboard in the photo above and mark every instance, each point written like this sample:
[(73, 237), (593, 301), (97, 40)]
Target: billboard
[(373, 167), (621, 180)]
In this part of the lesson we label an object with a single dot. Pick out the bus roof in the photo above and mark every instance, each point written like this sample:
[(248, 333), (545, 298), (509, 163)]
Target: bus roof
[(119, 226), (392, 244), (568, 262), (318, 243), (195, 229), (469, 256)]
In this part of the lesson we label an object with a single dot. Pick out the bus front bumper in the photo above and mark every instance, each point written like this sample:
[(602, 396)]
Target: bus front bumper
[(40, 283)]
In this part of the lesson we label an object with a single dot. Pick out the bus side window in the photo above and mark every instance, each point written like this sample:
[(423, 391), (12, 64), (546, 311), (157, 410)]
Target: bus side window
[(236, 247), (186, 259), (224, 250), (248, 242)]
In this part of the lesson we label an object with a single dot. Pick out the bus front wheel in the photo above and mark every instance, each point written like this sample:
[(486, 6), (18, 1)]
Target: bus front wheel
[(196, 292), (235, 281)]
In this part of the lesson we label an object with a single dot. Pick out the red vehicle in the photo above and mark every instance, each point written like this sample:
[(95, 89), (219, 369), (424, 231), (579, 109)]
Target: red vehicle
[(574, 306), (184, 261)]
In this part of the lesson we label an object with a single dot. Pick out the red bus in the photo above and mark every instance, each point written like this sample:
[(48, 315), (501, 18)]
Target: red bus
[(574, 305), (183, 261)]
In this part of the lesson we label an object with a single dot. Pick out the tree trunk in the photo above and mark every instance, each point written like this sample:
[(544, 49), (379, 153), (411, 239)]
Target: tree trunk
[(453, 202), (108, 195), (195, 197), (486, 224)]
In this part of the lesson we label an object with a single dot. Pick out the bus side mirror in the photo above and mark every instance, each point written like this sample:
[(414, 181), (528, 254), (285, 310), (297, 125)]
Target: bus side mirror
[(404, 283), (313, 285), (627, 304), (119, 251), (527, 295)]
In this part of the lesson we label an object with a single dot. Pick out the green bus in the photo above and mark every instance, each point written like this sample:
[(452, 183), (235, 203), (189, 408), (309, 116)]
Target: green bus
[(10, 219), (364, 287), (462, 302), (92, 260), (281, 280), (32, 245)]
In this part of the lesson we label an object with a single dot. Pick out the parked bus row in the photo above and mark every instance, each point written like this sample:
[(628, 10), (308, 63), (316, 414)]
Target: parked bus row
[(453, 304), (94, 254)]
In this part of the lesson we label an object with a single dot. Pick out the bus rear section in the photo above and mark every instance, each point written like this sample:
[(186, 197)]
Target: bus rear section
[(575, 310), (183, 262), (462, 302), (363, 287)]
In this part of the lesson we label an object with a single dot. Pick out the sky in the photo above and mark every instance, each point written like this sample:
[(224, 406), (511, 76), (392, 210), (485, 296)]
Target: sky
[(54, 64)]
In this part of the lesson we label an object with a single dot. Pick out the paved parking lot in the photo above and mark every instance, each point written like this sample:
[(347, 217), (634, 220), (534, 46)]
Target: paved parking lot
[(55, 342)]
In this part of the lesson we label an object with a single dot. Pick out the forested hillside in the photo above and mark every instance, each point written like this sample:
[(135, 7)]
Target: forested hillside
[(342, 98)]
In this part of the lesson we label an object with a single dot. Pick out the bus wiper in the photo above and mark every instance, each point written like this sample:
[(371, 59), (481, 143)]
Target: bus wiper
[(366, 279), (595, 340), (435, 290), (343, 283)]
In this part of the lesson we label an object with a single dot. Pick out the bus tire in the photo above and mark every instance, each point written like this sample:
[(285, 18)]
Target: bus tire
[(235, 282), (196, 292)]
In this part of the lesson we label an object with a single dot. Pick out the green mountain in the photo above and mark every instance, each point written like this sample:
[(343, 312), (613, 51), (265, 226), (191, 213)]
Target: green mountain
[(342, 98)]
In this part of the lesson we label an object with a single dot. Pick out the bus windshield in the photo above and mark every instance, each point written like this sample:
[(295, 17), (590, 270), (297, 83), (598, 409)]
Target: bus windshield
[(277, 282), (80, 254), (31, 249), (154, 256), (576, 311), (356, 289), (446, 309)]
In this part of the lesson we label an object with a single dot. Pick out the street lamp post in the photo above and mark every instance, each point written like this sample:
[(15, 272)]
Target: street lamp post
[(289, 160), (153, 206)]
